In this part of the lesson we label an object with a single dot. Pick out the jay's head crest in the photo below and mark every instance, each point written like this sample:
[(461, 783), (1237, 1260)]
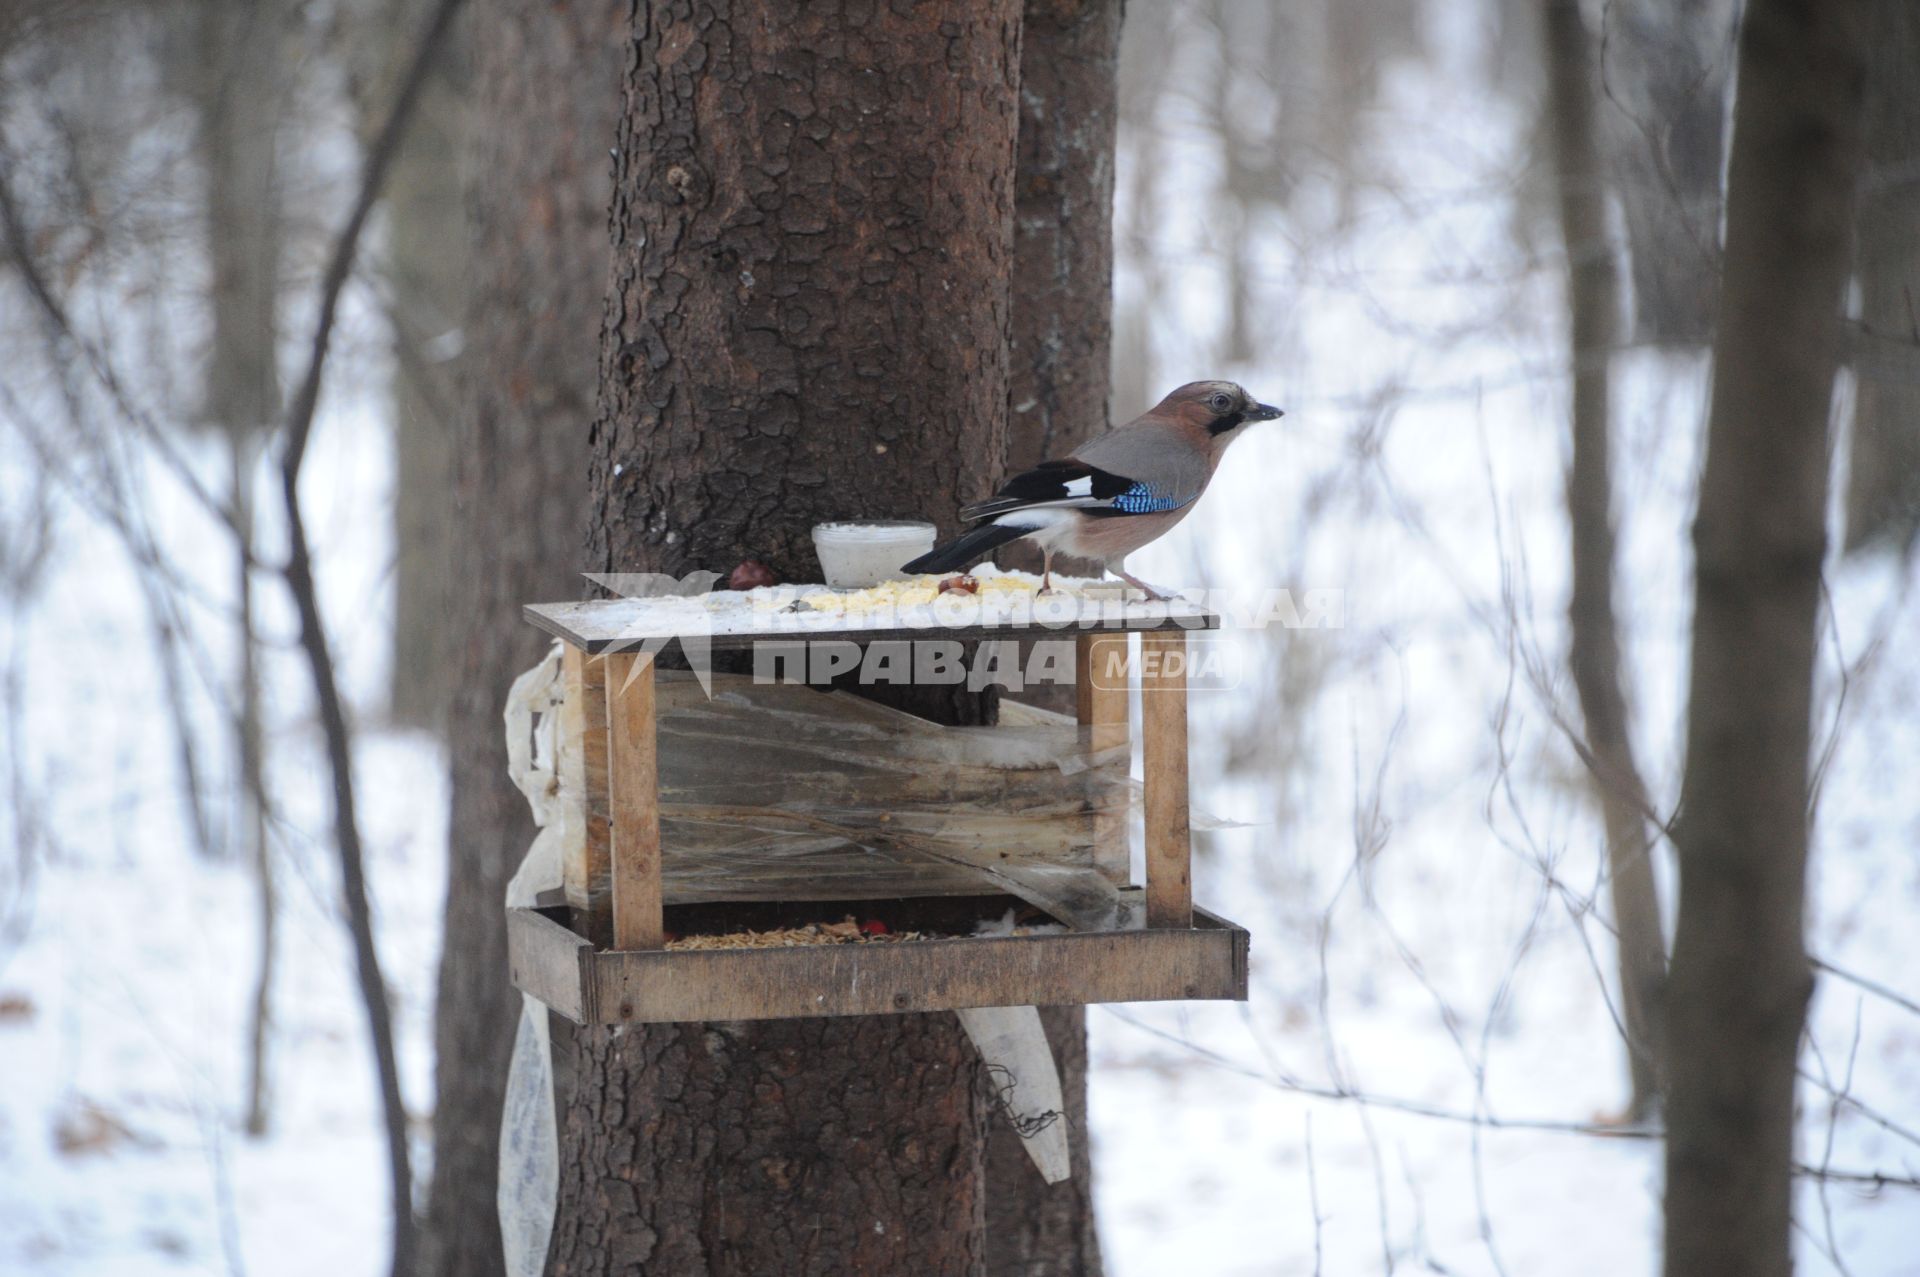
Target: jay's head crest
[(1220, 407)]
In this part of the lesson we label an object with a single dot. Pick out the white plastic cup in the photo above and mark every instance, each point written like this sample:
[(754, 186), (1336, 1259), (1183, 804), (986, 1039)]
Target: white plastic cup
[(855, 555)]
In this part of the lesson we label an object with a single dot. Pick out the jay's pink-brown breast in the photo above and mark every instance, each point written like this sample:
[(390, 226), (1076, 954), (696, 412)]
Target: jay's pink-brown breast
[(1113, 537)]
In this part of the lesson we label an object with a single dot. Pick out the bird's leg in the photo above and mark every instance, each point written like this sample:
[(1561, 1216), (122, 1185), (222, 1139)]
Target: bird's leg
[(1151, 593), (1046, 571)]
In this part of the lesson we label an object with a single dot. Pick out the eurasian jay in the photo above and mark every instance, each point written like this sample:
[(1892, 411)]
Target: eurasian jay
[(1114, 493)]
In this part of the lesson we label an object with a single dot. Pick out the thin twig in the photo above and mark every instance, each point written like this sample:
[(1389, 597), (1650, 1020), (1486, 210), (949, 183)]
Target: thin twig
[(19, 247), (1874, 987), (313, 638), (1485, 1120), (1833, 1127), (1313, 1199), (253, 793)]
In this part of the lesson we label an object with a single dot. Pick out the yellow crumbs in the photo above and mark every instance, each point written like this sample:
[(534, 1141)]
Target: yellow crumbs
[(846, 932), (893, 597)]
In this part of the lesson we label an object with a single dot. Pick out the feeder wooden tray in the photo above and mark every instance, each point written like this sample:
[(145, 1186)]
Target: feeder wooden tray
[(609, 986), (595, 953)]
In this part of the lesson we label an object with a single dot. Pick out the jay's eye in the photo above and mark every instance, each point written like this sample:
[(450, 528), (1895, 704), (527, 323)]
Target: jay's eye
[(1220, 401)]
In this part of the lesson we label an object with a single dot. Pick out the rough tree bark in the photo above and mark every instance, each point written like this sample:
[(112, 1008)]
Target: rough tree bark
[(546, 95), (1063, 230), (1740, 981), (1062, 370), (809, 317), (1060, 382), (1883, 484), (1593, 293), (812, 239), (1146, 76), (812, 233), (1036, 1229)]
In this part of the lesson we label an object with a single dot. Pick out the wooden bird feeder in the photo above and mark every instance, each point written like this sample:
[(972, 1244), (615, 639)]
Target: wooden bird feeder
[(600, 956)]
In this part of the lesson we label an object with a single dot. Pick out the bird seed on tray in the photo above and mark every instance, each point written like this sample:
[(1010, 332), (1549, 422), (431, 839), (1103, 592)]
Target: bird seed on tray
[(846, 931)]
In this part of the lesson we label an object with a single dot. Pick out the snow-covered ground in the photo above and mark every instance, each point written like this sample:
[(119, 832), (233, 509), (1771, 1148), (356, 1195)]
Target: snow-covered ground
[(1397, 786)]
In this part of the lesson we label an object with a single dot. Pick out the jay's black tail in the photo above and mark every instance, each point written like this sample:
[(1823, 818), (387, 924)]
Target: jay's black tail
[(966, 549)]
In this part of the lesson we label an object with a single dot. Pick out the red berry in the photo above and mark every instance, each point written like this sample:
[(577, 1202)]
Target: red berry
[(751, 574)]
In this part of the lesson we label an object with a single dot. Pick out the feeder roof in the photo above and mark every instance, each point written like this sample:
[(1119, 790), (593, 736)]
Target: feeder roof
[(1004, 605)]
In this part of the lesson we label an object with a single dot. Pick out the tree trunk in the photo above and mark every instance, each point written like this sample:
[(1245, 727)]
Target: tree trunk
[(813, 238), (238, 96), (426, 278), (546, 95), (1061, 380), (1062, 373), (1594, 301), (1063, 230), (1740, 981), (252, 821), (1883, 485), (1665, 135), (812, 241), (1146, 78), (1036, 1229), (234, 69), (230, 62), (823, 1146), (424, 268)]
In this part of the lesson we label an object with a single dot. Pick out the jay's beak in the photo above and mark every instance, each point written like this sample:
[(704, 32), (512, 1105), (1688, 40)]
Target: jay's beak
[(1264, 412)]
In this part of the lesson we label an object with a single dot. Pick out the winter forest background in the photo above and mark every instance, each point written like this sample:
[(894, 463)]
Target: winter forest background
[(1369, 213)]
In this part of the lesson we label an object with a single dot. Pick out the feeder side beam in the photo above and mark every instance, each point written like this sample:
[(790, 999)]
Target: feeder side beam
[(634, 775), (552, 963), (1100, 692), (587, 871), (1163, 738)]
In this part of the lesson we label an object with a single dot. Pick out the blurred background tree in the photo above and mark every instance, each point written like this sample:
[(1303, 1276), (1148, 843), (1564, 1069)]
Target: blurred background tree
[(532, 266), (422, 274), (1593, 644), (1883, 490)]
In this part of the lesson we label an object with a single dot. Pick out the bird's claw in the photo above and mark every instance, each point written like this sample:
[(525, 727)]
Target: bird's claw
[(1153, 593)]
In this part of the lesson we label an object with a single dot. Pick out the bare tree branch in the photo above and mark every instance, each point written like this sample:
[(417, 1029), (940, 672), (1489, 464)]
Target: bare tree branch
[(1874, 987), (1483, 1120), (1594, 649), (313, 638)]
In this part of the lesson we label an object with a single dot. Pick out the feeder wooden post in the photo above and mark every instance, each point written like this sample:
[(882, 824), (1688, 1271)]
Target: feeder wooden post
[(588, 873), (1163, 739), (1100, 702), (634, 777), (1100, 687)]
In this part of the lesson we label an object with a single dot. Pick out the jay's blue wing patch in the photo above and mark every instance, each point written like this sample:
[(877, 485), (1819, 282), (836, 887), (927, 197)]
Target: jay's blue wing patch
[(1073, 484), (1142, 498)]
